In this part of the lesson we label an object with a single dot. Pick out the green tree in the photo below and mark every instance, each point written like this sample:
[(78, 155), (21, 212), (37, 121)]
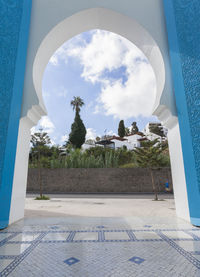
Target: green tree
[(40, 141), (134, 128), (150, 156), (77, 103), (78, 132), (121, 129)]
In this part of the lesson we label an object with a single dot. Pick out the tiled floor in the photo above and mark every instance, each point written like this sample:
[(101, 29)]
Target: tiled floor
[(103, 247)]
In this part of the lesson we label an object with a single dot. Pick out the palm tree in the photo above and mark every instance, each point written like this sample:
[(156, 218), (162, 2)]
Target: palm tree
[(76, 103), (78, 131)]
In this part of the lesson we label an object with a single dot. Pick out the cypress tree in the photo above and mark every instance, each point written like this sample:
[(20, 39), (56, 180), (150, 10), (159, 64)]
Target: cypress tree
[(78, 132), (121, 129)]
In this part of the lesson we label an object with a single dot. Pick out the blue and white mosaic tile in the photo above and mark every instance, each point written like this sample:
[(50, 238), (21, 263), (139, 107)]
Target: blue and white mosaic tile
[(100, 252), (71, 261), (84, 236), (137, 260)]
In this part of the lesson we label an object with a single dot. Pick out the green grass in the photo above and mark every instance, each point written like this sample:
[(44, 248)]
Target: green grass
[(129, 165), (43, 197)]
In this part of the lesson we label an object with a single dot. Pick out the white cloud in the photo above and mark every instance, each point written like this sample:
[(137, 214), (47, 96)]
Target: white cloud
[(135, 97), (91, 133), (54, 60), (107, 52), (46, 124), (62, 53), (63, 139), (111, 133), (53, 142), (59, 55), (98, 109), (103, 52), (33, 130)]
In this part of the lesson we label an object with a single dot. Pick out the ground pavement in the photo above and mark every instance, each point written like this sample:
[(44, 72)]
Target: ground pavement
[(86, 246)]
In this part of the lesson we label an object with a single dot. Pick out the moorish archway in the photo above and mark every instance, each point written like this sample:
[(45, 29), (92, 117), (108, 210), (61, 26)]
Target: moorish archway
[(52, 23)]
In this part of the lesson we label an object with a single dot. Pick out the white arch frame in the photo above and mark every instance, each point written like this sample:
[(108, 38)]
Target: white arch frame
[(105, 19)]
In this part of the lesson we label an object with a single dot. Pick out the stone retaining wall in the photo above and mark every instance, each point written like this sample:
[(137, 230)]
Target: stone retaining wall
[(97, 180)]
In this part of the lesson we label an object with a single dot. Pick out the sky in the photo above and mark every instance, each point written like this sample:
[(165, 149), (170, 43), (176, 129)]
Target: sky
[(110, 74)]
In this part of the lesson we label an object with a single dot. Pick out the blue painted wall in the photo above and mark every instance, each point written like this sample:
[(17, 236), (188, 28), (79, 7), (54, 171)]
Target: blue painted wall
[(14, 30), (183, 26)]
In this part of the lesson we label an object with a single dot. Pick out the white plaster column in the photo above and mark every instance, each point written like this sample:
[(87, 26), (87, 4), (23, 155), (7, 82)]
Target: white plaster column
[(176, 160), (21, 162), (21, 170), (178, 172)]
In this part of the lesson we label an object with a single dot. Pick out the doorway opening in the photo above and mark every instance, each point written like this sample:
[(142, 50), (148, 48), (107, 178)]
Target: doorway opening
[(115, 88)]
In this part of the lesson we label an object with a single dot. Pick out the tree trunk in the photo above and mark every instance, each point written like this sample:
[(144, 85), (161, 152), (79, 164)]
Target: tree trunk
[(39, 174), (154, 185)]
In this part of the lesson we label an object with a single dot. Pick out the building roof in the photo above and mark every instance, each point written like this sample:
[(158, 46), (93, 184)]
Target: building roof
[(138, 133), (104, 142), (117, 138), (142, 139)]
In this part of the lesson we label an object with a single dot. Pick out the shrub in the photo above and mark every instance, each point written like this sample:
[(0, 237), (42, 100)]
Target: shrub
[(129, 165), (95, 157), (43, 197)]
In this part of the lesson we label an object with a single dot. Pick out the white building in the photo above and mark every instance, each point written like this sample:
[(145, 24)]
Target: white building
[(134, 139), (152, 136), (130, 142), (120, 143), (88, 145)]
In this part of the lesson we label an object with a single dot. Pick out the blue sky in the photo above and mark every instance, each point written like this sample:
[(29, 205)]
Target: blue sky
[(109, 73)]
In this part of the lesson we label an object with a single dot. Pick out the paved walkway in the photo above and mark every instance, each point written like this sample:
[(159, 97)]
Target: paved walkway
[(130, 246), (101, 206)]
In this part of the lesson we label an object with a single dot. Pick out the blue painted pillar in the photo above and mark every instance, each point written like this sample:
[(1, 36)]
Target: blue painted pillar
[(14, 30), (183, 27)]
